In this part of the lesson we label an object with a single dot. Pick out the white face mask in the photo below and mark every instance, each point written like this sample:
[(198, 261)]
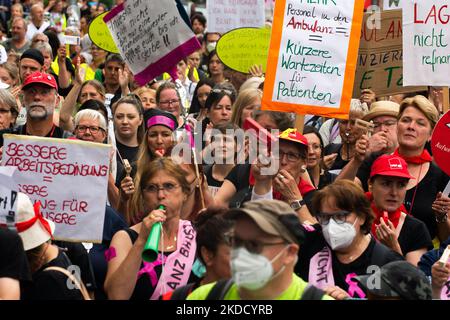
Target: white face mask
[(339, 236), (210, 46), (250, 270)]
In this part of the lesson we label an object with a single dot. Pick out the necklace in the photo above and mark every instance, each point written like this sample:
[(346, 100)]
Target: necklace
[(173, 245)]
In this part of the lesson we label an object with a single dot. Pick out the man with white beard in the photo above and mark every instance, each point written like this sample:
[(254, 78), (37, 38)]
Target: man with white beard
[(40, 97)]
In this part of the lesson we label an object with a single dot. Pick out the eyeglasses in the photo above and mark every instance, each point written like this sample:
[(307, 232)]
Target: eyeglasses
[(169, 102), (166, 187), (92, 129), (291, 157), (387, 123), (339, 217), (253, 246)]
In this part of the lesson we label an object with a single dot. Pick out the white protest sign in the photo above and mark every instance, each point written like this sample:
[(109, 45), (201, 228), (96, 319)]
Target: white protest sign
[(392, 4), (8, 196), (226, 15), (151, 36), (312, 57), (426, 39), (70, 179)]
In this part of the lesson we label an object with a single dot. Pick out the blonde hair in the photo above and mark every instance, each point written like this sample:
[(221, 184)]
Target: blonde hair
[(244, 99), (423, 105)]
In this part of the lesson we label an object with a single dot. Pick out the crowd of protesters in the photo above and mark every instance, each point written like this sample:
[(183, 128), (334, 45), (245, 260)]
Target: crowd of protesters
[(341, 206)]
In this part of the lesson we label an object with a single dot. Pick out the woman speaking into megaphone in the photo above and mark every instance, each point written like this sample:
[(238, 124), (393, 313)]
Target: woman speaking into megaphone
[(162, 191)]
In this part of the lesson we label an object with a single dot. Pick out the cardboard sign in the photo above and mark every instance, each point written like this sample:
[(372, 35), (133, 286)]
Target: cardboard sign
[(8, 197), (70, 179), (226, 15), (152, 36), (440, 143), (312, 57), (242, 48), (392, 4), (100, 35), (426, 42), (380, 58)]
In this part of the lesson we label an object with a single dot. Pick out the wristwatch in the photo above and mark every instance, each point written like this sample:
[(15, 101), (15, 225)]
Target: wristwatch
[(297, 204)]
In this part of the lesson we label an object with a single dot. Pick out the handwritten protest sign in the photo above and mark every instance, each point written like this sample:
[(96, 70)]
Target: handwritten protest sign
[(241, 48), (152, 37), (69, 177), (380, 58), (8, 197), (392, 4), (226, 15), (312, 57), (100, 35), (426, 39)]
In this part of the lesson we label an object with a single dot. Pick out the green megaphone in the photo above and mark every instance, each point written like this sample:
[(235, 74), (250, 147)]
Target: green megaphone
[(150, 252)]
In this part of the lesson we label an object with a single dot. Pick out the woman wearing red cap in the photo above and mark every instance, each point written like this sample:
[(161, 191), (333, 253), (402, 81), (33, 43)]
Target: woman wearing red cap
[(396, 229)]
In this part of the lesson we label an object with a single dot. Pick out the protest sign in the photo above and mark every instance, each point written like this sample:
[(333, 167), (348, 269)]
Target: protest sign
[(70, 179), (151, 36), (100, 35), (241, 48), (8, 197), (380, 57), (392, 4), (312, 57), (426, 38), (440, 143), (226, 15)]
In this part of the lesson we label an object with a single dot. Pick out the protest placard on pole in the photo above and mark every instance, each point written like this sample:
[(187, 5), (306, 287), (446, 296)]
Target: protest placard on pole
[(8, 197), (226, 15), (70, 179), (392, 5), (151, 36), (242, 48), (426, 39), (312, 57), (100, 35), (380, 57)]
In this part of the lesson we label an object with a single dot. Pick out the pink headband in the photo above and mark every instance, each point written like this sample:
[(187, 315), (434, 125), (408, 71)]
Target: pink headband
[(161, 120)]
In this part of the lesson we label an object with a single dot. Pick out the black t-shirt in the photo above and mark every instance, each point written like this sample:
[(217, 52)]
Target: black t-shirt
[(52, 285), (414, 236), (315, 242), (213, 184), (434, 181), (325, 179), (339, 163), (239, 176), (13, 261), (143, 289), (129, 153)]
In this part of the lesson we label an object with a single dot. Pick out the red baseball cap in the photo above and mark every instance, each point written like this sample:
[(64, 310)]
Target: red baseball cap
[(294, 136), (42, 78), (391, 166)]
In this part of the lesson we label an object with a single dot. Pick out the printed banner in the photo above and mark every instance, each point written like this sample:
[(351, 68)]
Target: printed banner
[(70, 179), (426, 39), (312, 57), (151, 36), (226, 15), (380, 58)]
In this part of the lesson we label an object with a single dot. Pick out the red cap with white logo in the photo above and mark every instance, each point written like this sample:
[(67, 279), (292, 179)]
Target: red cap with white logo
[(391, 166), (42, 78)]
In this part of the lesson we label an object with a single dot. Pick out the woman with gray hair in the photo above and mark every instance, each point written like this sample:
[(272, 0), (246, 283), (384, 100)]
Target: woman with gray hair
[(90, 125), (343, 152), (8, 110)]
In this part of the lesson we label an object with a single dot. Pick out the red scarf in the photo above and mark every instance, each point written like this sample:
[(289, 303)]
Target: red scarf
[(25, 225), (394, 217), (303, 186), (424, 157)]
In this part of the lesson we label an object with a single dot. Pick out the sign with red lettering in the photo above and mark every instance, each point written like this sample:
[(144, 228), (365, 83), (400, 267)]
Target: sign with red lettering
[(152, 36), (226, 15), (380, 57), (426, 39), (440, 143), (70, 179)]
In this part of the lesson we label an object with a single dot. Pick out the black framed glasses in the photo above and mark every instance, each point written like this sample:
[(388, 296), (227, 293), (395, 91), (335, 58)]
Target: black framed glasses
[(252, 245), (169, 102), (166, 187), (340, 217), (92, 129)]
